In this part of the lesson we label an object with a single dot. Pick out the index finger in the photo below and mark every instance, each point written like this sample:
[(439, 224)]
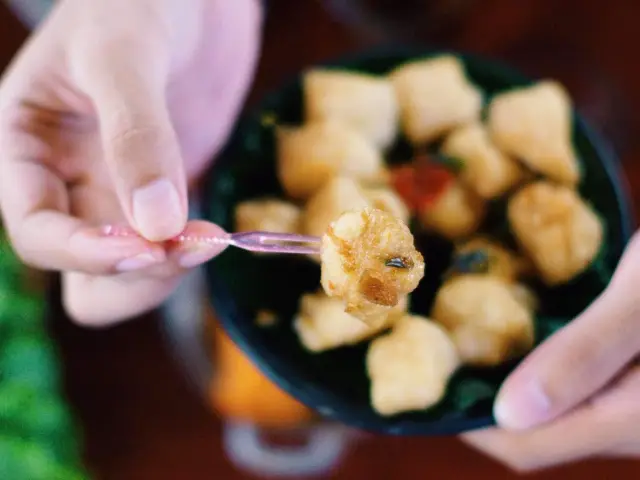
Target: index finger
[(35, 204)]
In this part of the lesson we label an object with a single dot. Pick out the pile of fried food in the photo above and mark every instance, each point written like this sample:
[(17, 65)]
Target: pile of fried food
[(516, 147)]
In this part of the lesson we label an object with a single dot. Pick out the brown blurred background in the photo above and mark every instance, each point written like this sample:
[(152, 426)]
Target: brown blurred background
[(142, 421)]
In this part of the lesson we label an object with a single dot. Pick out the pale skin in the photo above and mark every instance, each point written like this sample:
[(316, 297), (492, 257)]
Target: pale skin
[(107, 114), (576, 396), (114, 107)]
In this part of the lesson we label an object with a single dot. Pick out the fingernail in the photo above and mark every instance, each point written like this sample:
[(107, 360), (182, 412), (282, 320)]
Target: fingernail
[(138, 262), (523, 407), (157, 210)]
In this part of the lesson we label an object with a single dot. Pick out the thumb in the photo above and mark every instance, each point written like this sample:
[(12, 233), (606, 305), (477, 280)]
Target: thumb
[(579, 360), (126, 81)]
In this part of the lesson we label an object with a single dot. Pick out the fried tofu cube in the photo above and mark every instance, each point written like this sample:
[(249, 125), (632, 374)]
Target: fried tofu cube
[(410, 367), (268, 215), (322, 324), (343, 194), (387, 200), (488, 323), (525, 296), (435, 96), (456, 214), (486, 170), (311, 155), (369, 260), (364, 102), (534, 124), (336, 197), (483, 255), (556, 228)]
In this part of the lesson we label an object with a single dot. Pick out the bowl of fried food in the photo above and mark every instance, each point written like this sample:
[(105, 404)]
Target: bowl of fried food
[(466, 214)]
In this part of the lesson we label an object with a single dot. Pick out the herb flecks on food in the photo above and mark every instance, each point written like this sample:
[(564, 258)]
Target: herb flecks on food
[(454, 164), (474, 261), (396, 262), (268, 119)]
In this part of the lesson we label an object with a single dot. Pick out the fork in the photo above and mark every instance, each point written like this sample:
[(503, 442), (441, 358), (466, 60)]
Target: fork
[(271, 242), (255, 241)]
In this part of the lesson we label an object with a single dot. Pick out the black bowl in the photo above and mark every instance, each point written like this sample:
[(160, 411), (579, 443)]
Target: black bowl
[(335, 383)]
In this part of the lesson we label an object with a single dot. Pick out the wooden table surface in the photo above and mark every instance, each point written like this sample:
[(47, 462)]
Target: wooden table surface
[(143, 422)]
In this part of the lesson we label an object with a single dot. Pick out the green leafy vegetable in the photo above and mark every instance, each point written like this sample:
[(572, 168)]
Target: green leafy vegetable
[(452, 163), (469, 393)]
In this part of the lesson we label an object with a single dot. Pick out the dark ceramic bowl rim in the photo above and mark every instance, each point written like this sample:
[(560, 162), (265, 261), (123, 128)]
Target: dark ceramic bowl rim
[(311, 396)]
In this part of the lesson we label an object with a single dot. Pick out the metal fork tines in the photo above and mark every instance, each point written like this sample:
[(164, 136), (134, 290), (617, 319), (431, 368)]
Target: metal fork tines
[(270, 242)]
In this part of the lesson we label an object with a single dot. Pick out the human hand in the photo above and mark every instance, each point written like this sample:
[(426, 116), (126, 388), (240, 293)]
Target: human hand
[(106, 115), (577, 395)]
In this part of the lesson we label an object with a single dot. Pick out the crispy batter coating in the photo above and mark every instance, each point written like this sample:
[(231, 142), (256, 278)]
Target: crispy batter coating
[(483, 255), (369, 260), (311, 155), (322, 323), (486, 170), (410, 367), (456, 214), (338, 196), (268, 215), (366, 103), (386, 199), (487, 322), (435, 96), (342, 194), (534, 124), (561, 233)]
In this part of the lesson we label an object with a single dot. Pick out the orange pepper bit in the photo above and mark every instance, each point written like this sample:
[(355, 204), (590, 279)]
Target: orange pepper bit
[(421, 182)]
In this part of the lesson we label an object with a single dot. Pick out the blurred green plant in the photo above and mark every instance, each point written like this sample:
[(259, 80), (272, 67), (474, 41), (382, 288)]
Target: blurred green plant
[(39, 439)]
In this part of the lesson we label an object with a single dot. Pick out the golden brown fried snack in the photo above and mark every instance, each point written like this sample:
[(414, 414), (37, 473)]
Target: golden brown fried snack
[(311, 155), (341, 194), (525, 296), (456, 214), (534, 125), (435, 97), (322, 323), (386, 199), (338, 196), (268, 215), (410, 367), (485, 256), (561, 233), (365, 103), (370, 262), (486, 170), (487, 322)]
